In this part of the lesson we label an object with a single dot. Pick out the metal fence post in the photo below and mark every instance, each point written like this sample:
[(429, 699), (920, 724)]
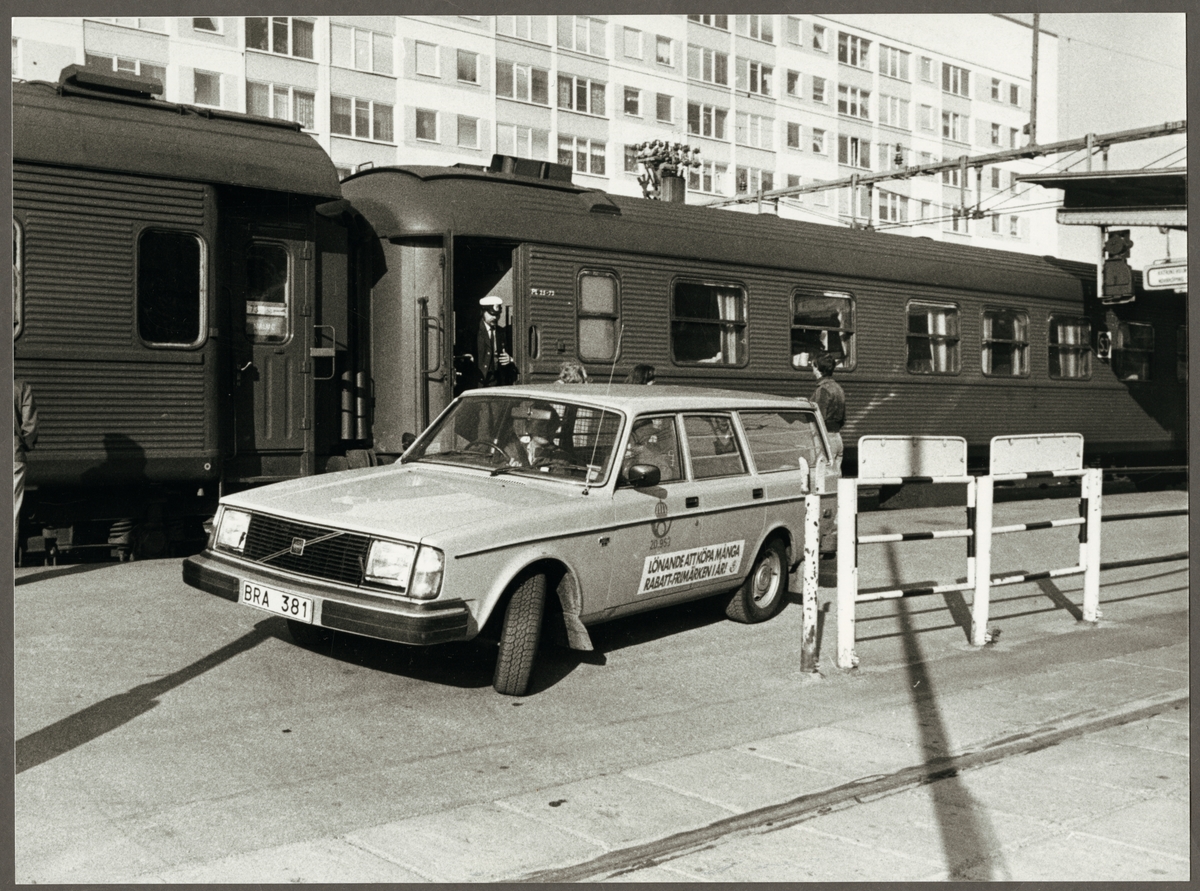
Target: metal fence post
[(812, 556), (1090, 551), (983, 559), (847, 570)]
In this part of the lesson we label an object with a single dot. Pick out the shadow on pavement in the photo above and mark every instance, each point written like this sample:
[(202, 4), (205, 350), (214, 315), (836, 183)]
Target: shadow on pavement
[(59, 571), (109, 714)]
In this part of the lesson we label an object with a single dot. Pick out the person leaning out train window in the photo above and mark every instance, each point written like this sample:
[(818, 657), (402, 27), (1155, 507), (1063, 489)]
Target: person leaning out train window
[(641, 374), (830, 399), (572, 372), (492, 361)]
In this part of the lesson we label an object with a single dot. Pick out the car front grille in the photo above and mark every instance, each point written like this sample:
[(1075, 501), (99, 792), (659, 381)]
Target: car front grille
[(339, 558)]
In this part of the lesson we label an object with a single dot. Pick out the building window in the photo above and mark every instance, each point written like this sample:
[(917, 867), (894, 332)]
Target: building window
[(713, 21), (893, 62), (664, 108), (956, 80), (893, 208), (581, 95), (752, 179), (853, 50), (522, 82), (995, 134), (818, 89), (754, 77), (1014, 226), (154, 23), (932, 338), (206, 88), (427, 59), (582, 34), (468, 67), (952, 177), (633, 43), (757, 26), (820, 40), (527, 27), (708, 65), (793, 135), (926, 66), (708, 323), (893, 111), (170, 288), (854, 151), (995, 218), (583, 155), (210, 24), (793, 32), (793, 180), (794, 84), (599, 318), (664, 50), (1181, 352), (1014, 94), (1013, 134), (633, 102), (854, 102), (855, 203), (954, 126), (1132, 349), (754, 130), (360, 49), (282, 35), (925, 117), (995, 89), (1004, 343), (468, 132), (427, 125), (631, 160), (706, 120), (708, 177), (365, 119), (18, 279), (129, 66), (1070, 344), (818, 141), (523, 142), (281, 102), (822, 322)]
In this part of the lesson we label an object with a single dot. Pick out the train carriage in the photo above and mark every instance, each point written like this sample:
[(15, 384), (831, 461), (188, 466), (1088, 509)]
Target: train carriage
[(932, 338), (182, 309)]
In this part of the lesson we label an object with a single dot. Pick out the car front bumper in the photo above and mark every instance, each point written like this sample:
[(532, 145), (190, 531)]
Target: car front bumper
[(356, 612)]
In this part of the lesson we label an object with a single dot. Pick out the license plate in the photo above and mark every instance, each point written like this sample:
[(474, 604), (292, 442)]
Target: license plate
[(282, 603)]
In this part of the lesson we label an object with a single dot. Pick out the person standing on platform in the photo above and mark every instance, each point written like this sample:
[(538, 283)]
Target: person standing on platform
[(491, 359), (830, 399), (25, 434)]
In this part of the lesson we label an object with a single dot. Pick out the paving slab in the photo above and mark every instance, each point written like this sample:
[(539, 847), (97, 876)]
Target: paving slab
[(1077, 858), (329, 861)]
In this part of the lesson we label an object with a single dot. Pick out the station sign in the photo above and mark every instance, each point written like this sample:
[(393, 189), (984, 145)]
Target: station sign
[(1164, 276)]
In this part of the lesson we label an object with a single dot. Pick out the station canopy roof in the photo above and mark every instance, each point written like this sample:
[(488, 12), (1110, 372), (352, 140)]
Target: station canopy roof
[(1155, 197)]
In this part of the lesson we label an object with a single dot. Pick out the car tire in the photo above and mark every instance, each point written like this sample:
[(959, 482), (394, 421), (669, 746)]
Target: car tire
[(309, 635), (764, 592), (519, 636)]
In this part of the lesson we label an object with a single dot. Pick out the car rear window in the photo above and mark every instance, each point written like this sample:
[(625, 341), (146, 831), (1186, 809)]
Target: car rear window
[(778, 439)]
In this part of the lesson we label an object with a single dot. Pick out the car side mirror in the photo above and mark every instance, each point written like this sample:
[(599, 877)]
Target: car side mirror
[(641, 476)]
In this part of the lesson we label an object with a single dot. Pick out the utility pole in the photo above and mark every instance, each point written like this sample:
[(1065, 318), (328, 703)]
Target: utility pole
[(1033, 82)]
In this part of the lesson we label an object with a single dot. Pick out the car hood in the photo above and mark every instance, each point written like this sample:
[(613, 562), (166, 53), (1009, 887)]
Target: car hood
[(414, 502)]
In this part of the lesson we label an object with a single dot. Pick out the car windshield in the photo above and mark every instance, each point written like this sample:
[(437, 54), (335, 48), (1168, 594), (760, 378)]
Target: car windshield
[(504, 433)]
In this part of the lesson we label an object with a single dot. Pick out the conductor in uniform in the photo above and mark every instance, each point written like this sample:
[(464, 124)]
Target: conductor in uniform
[(491, 360)]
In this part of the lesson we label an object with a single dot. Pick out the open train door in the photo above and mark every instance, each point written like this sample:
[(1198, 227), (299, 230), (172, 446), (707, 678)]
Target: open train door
[(270, 279)]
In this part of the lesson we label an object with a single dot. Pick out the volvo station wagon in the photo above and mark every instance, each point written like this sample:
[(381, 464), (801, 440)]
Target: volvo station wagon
[(523, 509)]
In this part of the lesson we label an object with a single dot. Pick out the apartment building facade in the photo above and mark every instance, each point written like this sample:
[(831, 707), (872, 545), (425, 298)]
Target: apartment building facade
[(771, 101)]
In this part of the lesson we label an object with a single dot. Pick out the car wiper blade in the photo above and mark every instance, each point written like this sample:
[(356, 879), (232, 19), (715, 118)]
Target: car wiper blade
[(505, 468)]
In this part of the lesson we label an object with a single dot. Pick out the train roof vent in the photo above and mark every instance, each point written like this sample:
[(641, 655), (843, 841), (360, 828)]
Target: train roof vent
[(533, 169), (97, 80), (597, 201)]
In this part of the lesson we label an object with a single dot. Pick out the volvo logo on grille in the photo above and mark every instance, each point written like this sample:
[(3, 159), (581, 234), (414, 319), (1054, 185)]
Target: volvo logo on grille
[(298, 546)]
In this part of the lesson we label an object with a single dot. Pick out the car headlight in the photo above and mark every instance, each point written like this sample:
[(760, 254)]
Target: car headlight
[(231, 529), (427, 573), (390, 563)]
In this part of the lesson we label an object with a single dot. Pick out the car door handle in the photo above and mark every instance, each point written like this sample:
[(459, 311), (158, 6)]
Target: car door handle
[(692, 501), (756, 493)]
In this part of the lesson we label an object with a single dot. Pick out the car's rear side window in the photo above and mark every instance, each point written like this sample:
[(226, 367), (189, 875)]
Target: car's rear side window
[(779, 438), (713, 446)]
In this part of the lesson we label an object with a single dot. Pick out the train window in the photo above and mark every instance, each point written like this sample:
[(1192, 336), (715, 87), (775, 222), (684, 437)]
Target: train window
[(1070, 344), (18, 279), (1181, 354), (708, 324), (1004, 343), (267, 289), (599, 317), (822, 322), (713, 448), (170, 288), (1132, 349), (932, 338)]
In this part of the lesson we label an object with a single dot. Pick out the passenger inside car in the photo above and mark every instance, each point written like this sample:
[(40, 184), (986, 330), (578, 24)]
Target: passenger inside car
[(653, 441)]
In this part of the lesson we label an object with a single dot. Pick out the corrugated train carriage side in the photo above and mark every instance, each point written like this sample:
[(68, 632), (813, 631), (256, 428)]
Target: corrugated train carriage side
[(182, 311), (935, 338)]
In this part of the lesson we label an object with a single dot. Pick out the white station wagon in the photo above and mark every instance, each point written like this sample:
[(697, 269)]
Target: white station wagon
[(525, 506)]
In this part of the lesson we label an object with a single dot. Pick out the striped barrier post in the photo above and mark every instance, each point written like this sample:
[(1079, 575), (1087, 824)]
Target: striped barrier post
[(812, 545), (1093, 482), (984, 497), (847, 570)]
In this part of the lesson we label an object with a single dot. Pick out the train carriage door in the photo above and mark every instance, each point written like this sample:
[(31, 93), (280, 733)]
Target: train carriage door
[(270, 272)]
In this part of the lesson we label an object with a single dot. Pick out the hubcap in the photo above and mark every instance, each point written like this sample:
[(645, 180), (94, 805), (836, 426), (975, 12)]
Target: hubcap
[(767, 580)]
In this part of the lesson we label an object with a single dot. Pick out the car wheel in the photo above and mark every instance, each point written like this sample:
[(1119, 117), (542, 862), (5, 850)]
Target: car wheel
[(764, 592), (519, 636), (309, 635)]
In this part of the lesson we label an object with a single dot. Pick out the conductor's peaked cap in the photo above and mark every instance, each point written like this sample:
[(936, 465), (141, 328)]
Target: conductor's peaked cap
[(491, 300)]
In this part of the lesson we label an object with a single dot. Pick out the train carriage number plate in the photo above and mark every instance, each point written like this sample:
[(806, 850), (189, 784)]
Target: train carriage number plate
[(282, 603)]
